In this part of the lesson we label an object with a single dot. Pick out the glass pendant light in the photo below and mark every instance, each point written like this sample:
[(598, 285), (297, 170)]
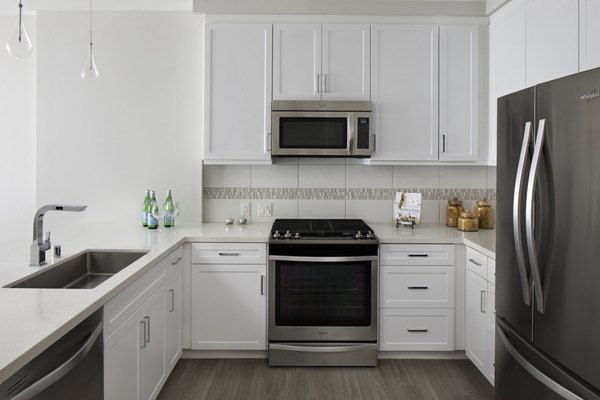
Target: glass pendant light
[(90, 71), (19, 44)]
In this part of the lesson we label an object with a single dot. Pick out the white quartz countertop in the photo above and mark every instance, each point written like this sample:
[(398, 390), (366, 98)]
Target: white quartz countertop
[(33, 319)]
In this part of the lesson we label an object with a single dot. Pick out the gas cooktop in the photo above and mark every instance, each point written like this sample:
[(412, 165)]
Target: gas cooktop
[(315, 229)]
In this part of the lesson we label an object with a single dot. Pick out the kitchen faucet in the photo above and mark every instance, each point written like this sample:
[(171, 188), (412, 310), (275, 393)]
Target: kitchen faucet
[(40, 246)]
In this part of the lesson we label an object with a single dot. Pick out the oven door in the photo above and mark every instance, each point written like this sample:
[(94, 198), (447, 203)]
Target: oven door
[(319, 299), (312, 133)]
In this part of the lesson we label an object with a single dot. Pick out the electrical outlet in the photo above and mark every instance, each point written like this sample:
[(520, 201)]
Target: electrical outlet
[(265, 209), (245, 209)]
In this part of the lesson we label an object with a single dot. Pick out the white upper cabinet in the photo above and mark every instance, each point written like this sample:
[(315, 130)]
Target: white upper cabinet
[(237, 103), (589, 34), (404, 91), (459, 90), (321, 62), (552, 39)]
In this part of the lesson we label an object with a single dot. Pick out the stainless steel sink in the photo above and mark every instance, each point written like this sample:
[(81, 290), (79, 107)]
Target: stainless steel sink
[(83, 271)]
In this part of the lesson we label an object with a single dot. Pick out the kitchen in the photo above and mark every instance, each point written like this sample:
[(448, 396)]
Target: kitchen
[(158, 84)]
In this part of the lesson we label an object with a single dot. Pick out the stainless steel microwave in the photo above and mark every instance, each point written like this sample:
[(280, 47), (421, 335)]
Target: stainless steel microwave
[(321, 129)]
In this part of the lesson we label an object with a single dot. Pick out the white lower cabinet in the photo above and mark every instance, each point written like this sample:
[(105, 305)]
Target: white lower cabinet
[(416, 297), (228, 300), (142, 338), (480, 312)]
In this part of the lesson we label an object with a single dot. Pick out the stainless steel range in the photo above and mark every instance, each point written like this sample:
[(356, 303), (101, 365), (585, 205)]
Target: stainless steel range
[(322, 293)]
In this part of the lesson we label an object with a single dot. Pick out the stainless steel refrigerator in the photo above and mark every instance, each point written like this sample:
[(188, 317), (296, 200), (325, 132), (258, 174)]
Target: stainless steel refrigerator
[(548, 241)]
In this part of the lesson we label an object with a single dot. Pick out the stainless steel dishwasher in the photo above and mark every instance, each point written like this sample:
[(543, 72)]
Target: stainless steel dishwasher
[(72, 368)]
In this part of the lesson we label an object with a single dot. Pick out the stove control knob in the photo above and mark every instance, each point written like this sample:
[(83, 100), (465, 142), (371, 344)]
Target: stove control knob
[(370, 235), (287, 235), (358, 235), (297, 236), (276, 235)]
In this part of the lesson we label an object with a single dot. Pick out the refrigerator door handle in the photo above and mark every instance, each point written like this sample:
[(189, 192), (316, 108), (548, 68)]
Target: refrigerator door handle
[(529, 209), (531, 369), (517, 217)]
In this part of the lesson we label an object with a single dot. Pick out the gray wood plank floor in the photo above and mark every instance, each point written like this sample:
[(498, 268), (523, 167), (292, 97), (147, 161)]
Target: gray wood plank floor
[(249, 379)]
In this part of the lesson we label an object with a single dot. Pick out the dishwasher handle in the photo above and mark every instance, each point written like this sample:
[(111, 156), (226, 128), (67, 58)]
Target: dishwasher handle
[(61, 371)]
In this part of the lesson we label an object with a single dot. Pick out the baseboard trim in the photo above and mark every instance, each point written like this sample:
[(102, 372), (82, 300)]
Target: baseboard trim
[(422, 355), (224, 354)]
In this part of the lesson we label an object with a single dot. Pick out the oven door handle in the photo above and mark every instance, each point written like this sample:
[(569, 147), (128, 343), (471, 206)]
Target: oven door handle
[(321, 349), (323, 259)]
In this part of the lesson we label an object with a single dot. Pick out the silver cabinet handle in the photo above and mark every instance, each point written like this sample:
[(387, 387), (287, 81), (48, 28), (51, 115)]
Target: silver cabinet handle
[(529, 208), (443, 143), (418, 287), (172, 292), (325, 83), (420, 330), (268, 142), (517, 215), (66, 367), (418, 255), (147, 338), (229, 254), (318, 83), (262, 285), (472, 260), (176, 261), (482, 302), (143, 325)]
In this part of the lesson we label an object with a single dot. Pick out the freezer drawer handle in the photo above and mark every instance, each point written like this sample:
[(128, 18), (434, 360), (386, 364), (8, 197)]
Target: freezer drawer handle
[(536, 373), (471, 260), (517, 215), (421, 330), (529, 208), (61, 371)]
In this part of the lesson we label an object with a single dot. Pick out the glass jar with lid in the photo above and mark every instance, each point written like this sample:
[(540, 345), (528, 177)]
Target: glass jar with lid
[(455, 207), (467, 222), (485, 214)]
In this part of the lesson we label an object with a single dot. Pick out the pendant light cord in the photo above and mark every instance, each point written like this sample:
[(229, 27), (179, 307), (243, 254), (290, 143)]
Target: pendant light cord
[(91, 42), (20, 19)]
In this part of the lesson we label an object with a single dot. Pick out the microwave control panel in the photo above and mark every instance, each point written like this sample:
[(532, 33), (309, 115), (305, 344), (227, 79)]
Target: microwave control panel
[(362, 134)]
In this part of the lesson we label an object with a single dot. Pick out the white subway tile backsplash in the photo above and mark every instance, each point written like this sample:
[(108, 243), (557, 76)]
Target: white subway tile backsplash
[(372, 211), (275, 176), (216, 210), (367, 176), (321, 161), (463, 177), (322, 176), (408, 176), (227, 176), (321, 209), (430, 212), (280, 209)]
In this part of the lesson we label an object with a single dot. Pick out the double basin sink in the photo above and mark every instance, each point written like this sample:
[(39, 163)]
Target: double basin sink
[(83, 271)]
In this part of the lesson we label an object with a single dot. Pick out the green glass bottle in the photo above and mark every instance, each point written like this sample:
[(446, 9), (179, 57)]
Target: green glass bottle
[(169, 210), (146, 208), (153, 213)]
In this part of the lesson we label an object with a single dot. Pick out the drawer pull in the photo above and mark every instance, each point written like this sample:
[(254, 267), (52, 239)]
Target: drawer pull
[(419, 255), (418, 287), (475, 262), (482, 302), (229, 254), (176, 261), (422, 330)]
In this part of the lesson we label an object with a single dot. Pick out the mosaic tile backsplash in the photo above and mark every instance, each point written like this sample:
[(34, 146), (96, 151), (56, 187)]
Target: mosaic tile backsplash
[(335, 189)]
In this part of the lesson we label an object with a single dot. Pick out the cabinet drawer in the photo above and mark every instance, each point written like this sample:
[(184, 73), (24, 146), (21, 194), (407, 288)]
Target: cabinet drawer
[(229, 253), (491, 271), (417, 287), (417, 330), (124, 304), (401, 254), (477, 262)]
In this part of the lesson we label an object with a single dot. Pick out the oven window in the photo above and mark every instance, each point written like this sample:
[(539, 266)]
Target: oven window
[(313, 133), (323, 294)]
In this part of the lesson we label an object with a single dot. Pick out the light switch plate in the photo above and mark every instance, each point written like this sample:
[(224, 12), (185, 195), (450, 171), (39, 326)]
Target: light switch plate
[(245, 209), (265, 209)]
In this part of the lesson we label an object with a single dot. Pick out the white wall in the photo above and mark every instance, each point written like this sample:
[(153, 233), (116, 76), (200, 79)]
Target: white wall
[(17, 136), (136, 127)]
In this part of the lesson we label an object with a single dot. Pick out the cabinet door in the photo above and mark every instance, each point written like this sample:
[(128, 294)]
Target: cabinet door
[(508, 70), (121, 355), (404, 90), (459, 90), (228, 307), (346, 62), (589, 34), (297, 62), (152, 352), (476, 321), (173, 318), (237, 123), (552, 39)]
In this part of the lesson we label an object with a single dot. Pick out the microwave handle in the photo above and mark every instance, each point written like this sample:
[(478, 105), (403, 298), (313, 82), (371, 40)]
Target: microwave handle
[(351, 132)]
